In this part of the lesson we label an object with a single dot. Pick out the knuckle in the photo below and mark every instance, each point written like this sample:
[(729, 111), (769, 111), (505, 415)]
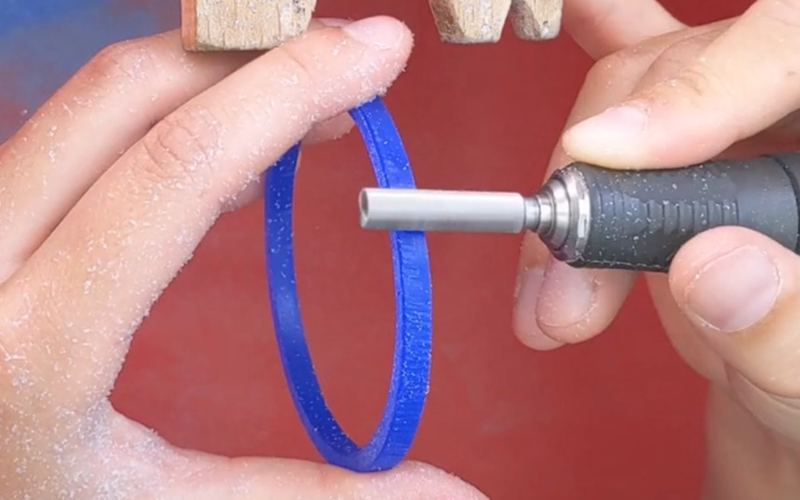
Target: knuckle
[(325, 478), (699, 81), (785, 13), (779, 412), (624, 62), (672, 60), (757, 390), (179, 150), (605, 68), (299, 66), (131, 60), (16, 318), (782, 388), (767, 353), (782, 380)]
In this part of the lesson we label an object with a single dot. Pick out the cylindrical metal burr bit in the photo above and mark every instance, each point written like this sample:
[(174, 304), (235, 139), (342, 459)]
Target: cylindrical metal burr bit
[(436, 210), (559, 213)]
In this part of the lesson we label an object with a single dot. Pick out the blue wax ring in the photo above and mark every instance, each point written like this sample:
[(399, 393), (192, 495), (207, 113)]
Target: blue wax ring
[(412, 356)]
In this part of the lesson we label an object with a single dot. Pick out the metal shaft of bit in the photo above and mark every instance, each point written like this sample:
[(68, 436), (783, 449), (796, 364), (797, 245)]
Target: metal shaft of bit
[(559, 212), (461, 211)]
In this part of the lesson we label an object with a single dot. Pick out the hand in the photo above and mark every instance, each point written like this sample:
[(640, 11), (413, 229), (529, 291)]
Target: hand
[(98, 212), (664, 95)]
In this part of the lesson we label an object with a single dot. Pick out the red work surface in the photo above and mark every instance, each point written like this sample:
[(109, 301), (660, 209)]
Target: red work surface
[(618, 417)]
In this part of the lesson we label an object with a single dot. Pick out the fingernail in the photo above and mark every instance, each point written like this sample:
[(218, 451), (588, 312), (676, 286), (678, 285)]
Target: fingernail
[(734, 291), (611, 129), (379, 32), (567, 296), (526, 327), (334, 22)]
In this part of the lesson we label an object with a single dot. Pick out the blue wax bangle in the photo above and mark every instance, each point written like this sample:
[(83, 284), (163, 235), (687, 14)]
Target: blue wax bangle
[(412, 356)]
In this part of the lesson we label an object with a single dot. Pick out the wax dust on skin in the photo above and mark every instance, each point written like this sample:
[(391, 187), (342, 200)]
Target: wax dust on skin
[(66, 321), (53, 451), (60, 451)]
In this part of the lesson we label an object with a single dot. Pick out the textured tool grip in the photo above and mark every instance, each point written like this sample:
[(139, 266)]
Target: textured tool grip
[(640, 219)]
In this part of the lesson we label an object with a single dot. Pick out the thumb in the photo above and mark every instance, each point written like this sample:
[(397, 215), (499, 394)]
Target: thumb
[(741, 291), (282, 479), (740, 85)]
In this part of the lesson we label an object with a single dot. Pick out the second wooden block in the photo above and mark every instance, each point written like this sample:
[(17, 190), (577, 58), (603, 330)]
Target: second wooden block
[(482, 21)]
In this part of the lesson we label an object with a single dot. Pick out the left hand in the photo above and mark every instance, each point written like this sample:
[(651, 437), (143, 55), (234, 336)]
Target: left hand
[(104, 194), (664, 95)]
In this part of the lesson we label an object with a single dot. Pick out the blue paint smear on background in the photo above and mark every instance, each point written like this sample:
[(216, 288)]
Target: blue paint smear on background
[(43, 42), (17, 13)]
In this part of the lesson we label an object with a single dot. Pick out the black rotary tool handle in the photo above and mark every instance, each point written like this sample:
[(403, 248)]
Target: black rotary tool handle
[(640, 219)]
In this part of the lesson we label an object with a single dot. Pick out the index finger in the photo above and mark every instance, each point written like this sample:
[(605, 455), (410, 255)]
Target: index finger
[(99, 272), (602, 27), (744, 82)]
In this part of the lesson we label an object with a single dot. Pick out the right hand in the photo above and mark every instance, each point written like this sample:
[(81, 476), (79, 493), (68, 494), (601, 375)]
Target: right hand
[(104, 195), (665, 95)]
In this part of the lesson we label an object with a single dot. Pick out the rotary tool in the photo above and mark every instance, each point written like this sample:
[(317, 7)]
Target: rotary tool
[(592, 216)]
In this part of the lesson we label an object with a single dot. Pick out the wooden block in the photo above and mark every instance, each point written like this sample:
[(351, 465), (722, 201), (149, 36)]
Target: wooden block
[(469, 21), (482, 21), (215, 25), (536, 19)]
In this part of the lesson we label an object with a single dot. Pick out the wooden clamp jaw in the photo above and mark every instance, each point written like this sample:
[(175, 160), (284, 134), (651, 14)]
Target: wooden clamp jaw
[(225, 25), (219, 25), (482, 21)]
